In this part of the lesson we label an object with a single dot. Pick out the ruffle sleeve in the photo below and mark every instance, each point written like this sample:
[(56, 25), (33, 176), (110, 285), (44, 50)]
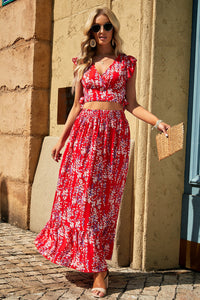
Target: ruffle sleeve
[(130, 65)]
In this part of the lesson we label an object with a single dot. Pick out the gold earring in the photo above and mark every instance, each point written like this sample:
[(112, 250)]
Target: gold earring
[(93, 43), (113, 42)]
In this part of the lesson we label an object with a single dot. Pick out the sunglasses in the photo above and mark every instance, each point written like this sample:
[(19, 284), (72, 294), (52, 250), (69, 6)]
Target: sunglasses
[(96, 27)]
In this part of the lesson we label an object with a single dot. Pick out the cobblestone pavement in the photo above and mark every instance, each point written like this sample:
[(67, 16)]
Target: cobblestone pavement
[(25, 274)]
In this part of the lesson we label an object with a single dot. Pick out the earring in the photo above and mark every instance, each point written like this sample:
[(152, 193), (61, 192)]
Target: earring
[(113, 42), (93, 43)]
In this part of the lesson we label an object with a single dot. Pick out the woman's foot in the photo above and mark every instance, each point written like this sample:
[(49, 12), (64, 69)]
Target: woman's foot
[(100, 284)]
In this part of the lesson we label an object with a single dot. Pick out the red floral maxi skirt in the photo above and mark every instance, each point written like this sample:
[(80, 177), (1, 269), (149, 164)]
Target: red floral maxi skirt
[(81, 230)]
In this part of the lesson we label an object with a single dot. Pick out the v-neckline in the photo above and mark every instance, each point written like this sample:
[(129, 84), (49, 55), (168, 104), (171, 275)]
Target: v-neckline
[(107, 67)]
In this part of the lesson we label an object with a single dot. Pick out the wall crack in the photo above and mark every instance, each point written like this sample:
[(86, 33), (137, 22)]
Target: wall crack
[(4, 88), (18, 42)]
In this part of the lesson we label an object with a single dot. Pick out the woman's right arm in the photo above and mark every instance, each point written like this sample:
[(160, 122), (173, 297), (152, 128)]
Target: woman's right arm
[(76, 108)]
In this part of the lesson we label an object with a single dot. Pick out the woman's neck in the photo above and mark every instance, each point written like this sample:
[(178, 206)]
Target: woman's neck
[(104, 50)]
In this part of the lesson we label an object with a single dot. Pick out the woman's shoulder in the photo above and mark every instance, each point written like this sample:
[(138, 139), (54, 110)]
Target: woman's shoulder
[(128, 58)]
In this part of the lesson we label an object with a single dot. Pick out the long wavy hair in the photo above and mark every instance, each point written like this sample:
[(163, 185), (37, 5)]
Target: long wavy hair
[(84, 60)]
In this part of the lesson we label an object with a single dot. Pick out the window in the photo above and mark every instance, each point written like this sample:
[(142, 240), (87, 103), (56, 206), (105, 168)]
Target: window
[(65, 102)]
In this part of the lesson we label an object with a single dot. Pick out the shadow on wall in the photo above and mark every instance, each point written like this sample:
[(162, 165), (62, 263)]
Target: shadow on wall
[(122, 254), (3, 200)]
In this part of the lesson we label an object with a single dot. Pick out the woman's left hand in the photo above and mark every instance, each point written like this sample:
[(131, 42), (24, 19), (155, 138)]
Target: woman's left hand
[(163, 127)]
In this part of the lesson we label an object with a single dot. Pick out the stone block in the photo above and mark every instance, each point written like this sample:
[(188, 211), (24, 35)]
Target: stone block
[(42, 58), (173, 69), (130, 22), (18, 22), (39, 118), (24, 112), (67, 37), (62, 9), (17, 65), (15, 111), (85, 5), (176, 25), (44, 186), (14, 198), (54, 130), (14, 153), (44, 12)]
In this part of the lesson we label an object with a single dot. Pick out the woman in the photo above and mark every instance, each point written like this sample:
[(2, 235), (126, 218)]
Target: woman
[(81, 230)]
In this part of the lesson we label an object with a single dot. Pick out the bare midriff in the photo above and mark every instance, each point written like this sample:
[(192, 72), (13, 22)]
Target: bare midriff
[(104, 105)]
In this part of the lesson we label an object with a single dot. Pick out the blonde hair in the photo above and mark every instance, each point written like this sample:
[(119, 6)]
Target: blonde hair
[(84, 60)]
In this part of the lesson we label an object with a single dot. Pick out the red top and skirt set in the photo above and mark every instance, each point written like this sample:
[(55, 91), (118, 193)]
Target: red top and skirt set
[(81, 229)]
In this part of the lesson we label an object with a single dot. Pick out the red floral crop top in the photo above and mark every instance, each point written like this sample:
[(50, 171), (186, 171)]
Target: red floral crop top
[(111, 85)]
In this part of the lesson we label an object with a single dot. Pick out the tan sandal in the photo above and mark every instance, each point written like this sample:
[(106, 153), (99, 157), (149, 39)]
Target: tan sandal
[(102, 290)]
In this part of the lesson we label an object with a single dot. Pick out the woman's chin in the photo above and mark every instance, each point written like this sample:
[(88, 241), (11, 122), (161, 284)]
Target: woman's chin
[(103, 42)]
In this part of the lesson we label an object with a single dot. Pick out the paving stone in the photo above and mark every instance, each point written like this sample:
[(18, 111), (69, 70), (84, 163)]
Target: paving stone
[(146, 297), (52, 294), (160, 297), (184, 287), (29, 291), (2, 281), (27, 275), (153, 288), (128, 297), (69, 296), (12, 298), (187, 296), (117, 283), (34, 296), (134, 291), (169, 295), (197, 289)]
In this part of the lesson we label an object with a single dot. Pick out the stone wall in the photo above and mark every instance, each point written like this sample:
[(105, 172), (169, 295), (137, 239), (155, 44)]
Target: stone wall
[(25, 50)]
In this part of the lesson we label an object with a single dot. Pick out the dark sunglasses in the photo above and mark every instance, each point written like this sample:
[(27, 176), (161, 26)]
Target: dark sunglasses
[(96, 27)]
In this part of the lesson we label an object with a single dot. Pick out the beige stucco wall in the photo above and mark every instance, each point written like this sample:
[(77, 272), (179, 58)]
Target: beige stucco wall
[(158, 34), (164, 183), (24, 100)]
